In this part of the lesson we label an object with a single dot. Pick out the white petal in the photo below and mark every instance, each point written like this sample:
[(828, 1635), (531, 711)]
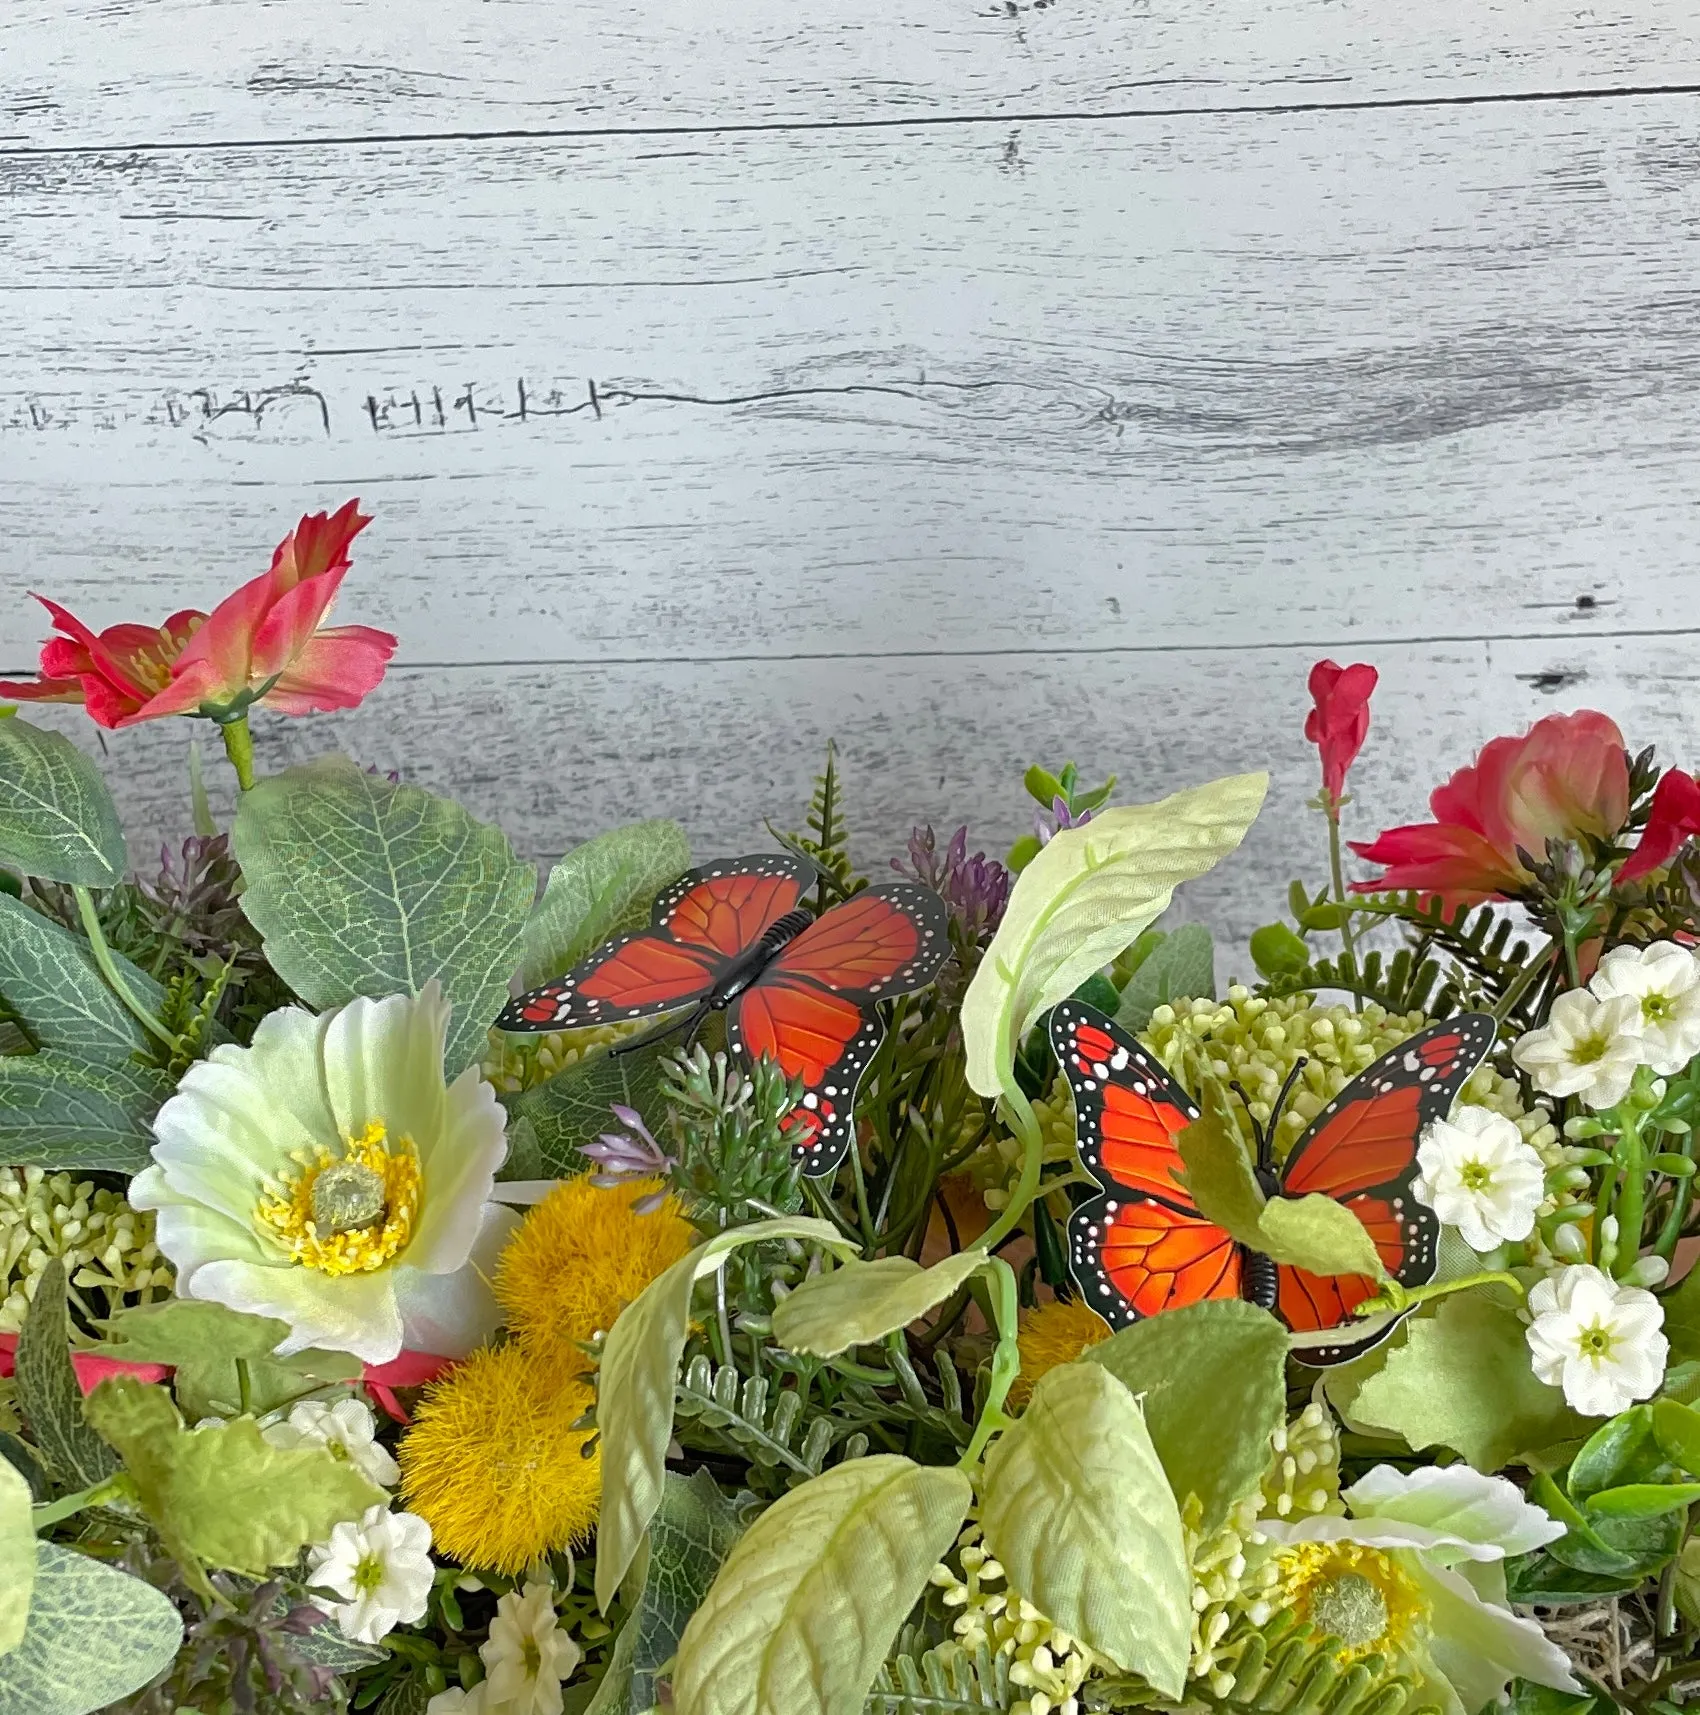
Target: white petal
[(450, 1314), (1455, 1501), (191, 1235), (1479, 1648), (1385, 1533), (1595, 1390), (383, 1061), (459, 1166), (350, 1313)]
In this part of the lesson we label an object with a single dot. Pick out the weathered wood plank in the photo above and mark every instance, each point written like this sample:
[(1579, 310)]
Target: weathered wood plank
[(555, 756), (1123, 385), (107, 72)]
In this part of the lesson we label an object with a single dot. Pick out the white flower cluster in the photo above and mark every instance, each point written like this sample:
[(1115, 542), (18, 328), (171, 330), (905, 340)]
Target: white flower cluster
[(526, 1657), (1642, 1008), (1597, 1338)]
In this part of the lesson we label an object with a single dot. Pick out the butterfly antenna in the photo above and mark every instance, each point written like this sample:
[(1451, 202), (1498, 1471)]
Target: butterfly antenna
[(1257, 1131), (1281, 1100), (686, 1021)]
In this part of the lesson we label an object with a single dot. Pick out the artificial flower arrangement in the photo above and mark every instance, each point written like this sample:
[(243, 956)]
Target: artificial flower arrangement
[(757, 1288)]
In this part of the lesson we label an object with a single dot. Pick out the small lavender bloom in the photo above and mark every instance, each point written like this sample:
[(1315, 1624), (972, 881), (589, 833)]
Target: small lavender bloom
[(975, 888), (631, 1154), (1060, 817)]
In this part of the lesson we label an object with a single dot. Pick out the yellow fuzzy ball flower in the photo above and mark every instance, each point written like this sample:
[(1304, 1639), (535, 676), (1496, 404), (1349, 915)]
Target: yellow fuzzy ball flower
[(493, 1464), (1053, 1334), (579, 1258)]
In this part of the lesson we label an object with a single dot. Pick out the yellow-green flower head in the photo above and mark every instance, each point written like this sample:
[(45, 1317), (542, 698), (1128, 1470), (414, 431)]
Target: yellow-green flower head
[(327, 1176)]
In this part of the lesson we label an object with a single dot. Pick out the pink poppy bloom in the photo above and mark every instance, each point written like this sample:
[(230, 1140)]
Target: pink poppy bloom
[(1567, 776), (1673, 820), (1339, 722), (263, 644)]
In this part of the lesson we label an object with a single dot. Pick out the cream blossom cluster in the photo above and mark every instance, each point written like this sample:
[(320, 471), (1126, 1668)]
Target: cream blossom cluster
[(513, 1063)]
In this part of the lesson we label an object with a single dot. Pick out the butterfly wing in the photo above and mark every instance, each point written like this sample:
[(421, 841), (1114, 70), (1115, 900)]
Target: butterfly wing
[(1362, 1151), (813, 1008), (1141, 1247), (698, 926)]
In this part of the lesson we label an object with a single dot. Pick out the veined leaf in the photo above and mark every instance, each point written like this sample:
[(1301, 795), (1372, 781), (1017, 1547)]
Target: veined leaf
[(17, 1557), (1084, 898), (575, 1106), (1211, 1378), (1181, 966), (95, 1635), (859, 1302), (224, 1495), (1318, 1234), (57, 819), (1077, 1507), (49, 979), (599, 890), (808, 1603), (362, 887), (57, 1111), (48, 1393), (635, 1386)]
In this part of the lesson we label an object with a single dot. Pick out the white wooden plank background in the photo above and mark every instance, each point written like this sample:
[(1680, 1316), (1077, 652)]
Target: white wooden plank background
[(980, 384)]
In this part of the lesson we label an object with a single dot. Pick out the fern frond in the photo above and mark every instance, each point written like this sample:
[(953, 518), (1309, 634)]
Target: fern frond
[(1411, 981), (759, 1423), (826, 843), (943, 1681)]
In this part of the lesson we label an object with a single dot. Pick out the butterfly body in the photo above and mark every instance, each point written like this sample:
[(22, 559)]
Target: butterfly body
[(1143, 1246), (734, 937)]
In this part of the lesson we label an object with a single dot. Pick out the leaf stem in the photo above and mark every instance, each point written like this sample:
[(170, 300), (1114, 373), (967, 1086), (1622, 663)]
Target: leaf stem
[(239, 747), (109, 969), (113, 1488), (1520, 984), (244, 1388), (1006, 1360), (1025, 1124), (1337, 872), (1393, 1296)]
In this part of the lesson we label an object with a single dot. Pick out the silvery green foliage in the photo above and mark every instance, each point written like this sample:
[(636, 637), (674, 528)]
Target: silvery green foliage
[(57, 819)]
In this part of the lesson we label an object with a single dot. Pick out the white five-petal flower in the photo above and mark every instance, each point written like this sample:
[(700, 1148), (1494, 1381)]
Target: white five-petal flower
[(1589, 1048), (527, 1655), (1597, 1339), (1664, 982), (1478, 1175), (346, 1430), (454, 1701), (382, 1569)]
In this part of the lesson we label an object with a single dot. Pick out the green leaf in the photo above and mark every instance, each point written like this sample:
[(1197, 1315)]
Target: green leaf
[(17, 1557), (1212, 1380), (860, 1302), (363, 887), (1606, 1547), (598, 890), (1082, 900), (1677, 1431), (56, 1111), (1277, 951), (49, 979), (24, 1459), (1076, 1506), (809, 1602), (57, 819), (1643, 1500), (1528, 1698), (1538, 1578), (635, 1387), (1219, 1171), (575, 1106), (689, 1537), (224, 1495), (1682, 1318), (48, 1393), (79, 1603), (1181, 966), (1462, 1380), (1621, 1451), (1318, 1234)]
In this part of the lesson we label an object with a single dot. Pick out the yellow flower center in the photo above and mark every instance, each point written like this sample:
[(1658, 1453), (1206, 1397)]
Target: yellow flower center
[(1356, 1594), (346, 1214)]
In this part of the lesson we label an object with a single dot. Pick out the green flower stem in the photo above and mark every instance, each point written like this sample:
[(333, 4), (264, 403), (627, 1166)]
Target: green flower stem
[(1521, 983), (1025, 1124), (118, 1487), (1337, 870), (109, 970), (1393, 1296), (1671, 1231), (1631, 1199), (244, 1389), (1006, 1360), (239, 747)]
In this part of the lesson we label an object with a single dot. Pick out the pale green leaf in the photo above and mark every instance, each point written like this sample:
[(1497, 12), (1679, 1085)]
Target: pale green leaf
[(810, 1600), (1084, 898), (1077, 1508), (635, 1385), (1219, 1173), (1212, 1380), (363, 887), (224, 1494), (48, 1394), (1318, 1234), (95, 1635), (49, 979), (1181, 966), (598, 890), (859, 1302), (57, 819), (689, 1537), (17, 1557), (575, 1106), (57, 1111), (1462, 1380)]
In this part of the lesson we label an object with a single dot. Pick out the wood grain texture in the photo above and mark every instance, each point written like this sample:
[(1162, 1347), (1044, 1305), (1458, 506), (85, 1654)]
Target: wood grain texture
[(1321, 379), (104, 73), (557, 755)]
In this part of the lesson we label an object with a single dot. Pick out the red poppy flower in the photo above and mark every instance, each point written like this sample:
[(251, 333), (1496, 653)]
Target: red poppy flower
[(1673, 820), (1337, 725), (263, 644), (1567, 776)]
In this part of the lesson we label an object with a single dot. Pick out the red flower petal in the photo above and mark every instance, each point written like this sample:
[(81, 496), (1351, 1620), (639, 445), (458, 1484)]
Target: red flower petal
[(335, 670), (1673, 820)]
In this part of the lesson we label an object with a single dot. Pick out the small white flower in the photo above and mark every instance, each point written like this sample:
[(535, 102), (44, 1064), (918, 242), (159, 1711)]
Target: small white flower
[(382, 1569), (1664, 982), (1479, 1176), (1589, 1048), (346, 1430), (1596, 1339), (527, 1655), (454, 1701)]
